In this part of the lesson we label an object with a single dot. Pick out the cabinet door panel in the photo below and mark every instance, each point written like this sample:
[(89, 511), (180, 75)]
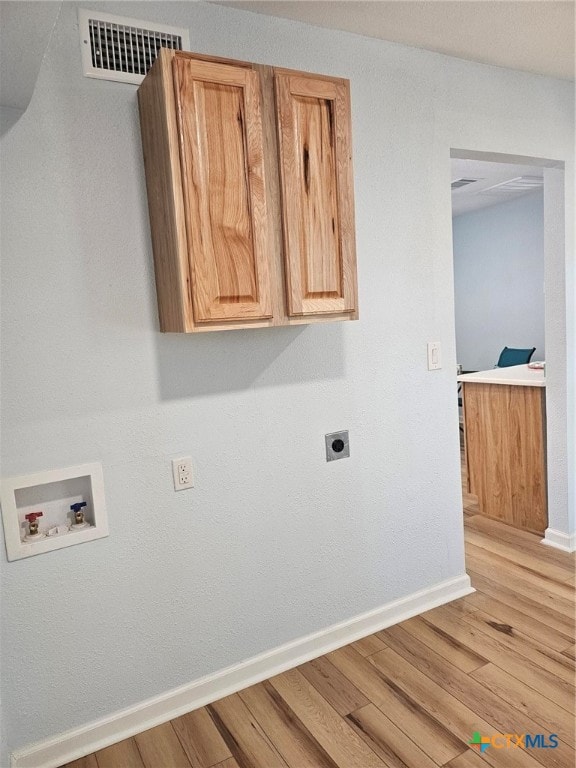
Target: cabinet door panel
[(317, 193), (221, 152)]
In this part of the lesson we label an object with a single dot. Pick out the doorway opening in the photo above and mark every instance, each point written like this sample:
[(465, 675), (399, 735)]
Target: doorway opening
[(510, 289)]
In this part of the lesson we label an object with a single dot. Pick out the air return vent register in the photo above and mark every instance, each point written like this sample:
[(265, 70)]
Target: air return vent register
[(462, 183), (115, 48)]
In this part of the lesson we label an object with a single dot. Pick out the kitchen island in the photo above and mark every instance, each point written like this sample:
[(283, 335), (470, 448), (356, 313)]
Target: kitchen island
[(504, 413)]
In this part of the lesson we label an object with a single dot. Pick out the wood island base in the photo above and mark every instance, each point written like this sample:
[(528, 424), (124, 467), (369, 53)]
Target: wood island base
[(505, 444)]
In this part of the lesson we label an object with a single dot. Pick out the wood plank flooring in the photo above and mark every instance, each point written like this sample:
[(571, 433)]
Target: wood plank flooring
[(412, 696)]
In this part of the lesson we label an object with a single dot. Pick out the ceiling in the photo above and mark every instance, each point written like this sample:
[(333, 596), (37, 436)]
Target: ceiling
[(478, 194), (532, 35)]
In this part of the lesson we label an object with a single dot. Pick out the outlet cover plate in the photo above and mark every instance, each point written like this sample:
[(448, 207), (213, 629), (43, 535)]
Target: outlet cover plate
[(337, 445), (182, 473)]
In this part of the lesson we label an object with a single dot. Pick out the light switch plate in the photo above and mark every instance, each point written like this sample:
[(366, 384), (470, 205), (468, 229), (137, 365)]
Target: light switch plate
[(434, 355)]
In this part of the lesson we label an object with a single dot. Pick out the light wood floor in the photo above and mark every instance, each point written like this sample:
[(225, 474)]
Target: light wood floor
[(498, 661)]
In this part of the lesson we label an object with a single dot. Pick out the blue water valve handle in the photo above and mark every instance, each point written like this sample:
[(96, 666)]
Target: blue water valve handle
[(78, 506)]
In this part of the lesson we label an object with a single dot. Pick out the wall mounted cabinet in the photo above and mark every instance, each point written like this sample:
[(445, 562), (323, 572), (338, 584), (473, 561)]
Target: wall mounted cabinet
[(250, 194)]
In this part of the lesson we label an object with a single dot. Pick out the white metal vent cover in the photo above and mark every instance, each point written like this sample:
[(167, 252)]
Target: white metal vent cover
[(116, 48)]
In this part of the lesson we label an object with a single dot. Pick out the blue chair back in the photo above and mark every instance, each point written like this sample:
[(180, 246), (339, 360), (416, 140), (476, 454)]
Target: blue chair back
[(510, 356)]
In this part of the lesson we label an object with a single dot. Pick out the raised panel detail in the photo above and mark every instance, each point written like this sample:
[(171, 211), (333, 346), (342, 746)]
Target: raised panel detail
[(317, 194), (250, 194), (221, 153)]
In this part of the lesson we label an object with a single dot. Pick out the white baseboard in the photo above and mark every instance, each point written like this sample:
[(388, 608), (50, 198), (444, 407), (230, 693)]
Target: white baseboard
[(564, 541), (120, 725)]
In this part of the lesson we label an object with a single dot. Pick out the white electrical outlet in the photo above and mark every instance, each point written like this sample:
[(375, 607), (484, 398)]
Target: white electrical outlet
[(182, 473), (434, 355)]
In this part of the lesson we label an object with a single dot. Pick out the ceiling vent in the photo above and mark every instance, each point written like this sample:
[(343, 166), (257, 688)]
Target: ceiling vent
[(115, 48), (515, 186), (462, 183)]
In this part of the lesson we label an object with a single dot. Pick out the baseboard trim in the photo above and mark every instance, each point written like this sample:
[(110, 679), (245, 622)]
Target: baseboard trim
[(120, 725), (559, 540)]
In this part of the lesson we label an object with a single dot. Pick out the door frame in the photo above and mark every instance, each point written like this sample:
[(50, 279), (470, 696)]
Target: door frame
[(559, 331)]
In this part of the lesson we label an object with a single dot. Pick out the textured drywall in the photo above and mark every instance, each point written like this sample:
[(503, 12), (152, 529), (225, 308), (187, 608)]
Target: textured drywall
[(273, 542), (25, 29), (499, 280), (8, 118), (559, 358)]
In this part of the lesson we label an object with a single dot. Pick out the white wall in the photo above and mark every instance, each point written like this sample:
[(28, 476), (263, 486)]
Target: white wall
[(560, 377), (272, 543), (8, 118), (499, 280)]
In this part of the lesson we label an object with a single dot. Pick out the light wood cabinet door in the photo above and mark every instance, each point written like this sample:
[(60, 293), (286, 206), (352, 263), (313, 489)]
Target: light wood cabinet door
[(314, 140), (219, 120), (250, 194)]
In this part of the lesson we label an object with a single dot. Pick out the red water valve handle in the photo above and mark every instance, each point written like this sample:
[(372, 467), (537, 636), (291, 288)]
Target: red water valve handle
[(33, 515)]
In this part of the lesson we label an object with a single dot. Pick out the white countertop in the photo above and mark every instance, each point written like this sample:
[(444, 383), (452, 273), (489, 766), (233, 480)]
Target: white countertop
[(517, 375)]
